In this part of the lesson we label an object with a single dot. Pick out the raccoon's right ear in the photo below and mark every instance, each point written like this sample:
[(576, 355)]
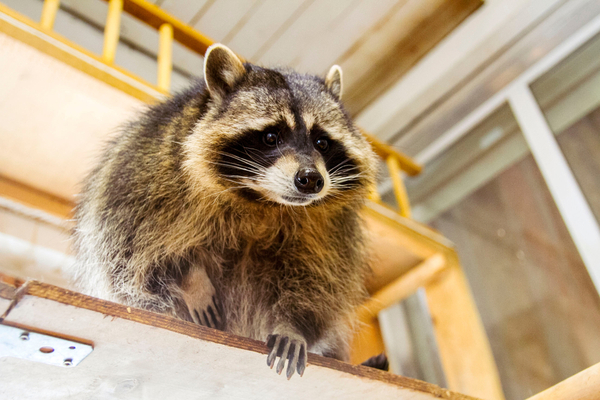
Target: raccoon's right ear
[(222, 70)]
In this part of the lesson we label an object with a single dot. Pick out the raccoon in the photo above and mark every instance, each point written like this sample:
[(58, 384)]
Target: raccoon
[(235, 205)]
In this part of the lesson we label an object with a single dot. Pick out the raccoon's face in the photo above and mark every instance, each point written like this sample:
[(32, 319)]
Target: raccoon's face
[(280, 137)]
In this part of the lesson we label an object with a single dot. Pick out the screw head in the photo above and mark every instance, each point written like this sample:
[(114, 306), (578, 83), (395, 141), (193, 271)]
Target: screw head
[(24, 336), (68, 362)]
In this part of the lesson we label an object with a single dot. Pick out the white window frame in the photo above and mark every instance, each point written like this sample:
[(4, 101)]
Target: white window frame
[(566, 192)]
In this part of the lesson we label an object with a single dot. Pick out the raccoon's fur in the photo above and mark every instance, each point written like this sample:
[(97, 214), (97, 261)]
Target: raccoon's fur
[(235, 204)]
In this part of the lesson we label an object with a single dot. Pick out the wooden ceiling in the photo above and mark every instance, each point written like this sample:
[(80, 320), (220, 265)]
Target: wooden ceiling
[(375, 42)]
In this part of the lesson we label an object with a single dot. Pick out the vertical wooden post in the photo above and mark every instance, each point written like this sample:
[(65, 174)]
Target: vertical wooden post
[(49, 13), (165, 56), (399, 188), (111, 30), (465, 352)]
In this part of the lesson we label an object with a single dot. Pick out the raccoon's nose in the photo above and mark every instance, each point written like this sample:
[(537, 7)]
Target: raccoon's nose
[(309, 180)]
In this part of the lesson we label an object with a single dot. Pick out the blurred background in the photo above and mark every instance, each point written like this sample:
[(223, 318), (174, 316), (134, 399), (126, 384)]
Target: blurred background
[(499, 101)]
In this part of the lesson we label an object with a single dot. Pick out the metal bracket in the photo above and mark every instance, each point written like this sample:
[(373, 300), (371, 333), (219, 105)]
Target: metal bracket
[(33, 346)]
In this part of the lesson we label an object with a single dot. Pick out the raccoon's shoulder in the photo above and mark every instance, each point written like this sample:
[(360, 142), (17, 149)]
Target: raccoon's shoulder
[(184, 108)]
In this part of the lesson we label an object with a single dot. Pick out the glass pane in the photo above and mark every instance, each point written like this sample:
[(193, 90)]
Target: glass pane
[(569, 96), (539, 307)]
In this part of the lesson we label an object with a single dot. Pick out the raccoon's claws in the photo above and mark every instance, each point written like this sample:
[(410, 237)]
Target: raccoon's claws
[(284, 347), (211, 317)]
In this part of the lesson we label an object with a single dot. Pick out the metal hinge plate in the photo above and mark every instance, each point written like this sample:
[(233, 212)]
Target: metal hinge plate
[(33, 346)]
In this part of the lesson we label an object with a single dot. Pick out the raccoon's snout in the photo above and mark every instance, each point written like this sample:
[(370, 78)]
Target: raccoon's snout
[(309, 181)]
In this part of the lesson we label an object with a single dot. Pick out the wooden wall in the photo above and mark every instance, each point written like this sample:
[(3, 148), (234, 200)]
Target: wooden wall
[(537, 302)]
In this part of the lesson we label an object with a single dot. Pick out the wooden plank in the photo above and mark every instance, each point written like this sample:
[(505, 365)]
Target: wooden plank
[(183, 10), (224, 16), (391, 257), (465, 352), (53, 44), (299, 33), (582, 386), (420, 239), (334, 39), (415, 29), (32, 197), (256, 33), (403, 286), (138, 352)]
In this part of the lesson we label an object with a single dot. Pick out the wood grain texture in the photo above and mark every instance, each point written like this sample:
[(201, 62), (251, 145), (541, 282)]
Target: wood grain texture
[(142, 344), (403, 286), (465, 352), (582, 386), (415, 28)]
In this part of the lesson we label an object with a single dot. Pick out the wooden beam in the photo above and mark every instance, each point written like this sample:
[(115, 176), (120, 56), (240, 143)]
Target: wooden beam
[(34, 198), (465, 352), (164, 357), (27, 31), (403, 286), (420, 239), (433, 24), (582, 386), (156, 17)]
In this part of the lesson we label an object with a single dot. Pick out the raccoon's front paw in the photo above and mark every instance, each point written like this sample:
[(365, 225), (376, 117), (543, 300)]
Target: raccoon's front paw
[(210, 315), (286, 347)]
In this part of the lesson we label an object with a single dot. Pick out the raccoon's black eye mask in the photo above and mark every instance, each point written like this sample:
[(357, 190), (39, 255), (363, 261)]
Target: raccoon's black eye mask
[(248, 155)]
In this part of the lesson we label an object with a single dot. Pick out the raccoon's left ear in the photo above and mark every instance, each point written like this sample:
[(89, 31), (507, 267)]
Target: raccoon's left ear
[(222, 70), (333, 81)]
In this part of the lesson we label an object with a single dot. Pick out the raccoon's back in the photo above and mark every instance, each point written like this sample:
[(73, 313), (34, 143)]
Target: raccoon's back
[(136, 190)]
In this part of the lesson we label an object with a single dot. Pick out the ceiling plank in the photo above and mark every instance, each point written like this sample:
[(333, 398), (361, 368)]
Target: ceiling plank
[(222, 17), (263, 25), (301, 32), (341, 34), (373, 65), (183, 10)]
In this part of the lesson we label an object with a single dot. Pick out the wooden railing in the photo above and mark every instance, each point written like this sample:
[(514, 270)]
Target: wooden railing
[(169, 29)]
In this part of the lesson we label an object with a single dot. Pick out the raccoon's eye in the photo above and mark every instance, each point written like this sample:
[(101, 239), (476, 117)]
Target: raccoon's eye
[(270, 138), (322, 144)]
